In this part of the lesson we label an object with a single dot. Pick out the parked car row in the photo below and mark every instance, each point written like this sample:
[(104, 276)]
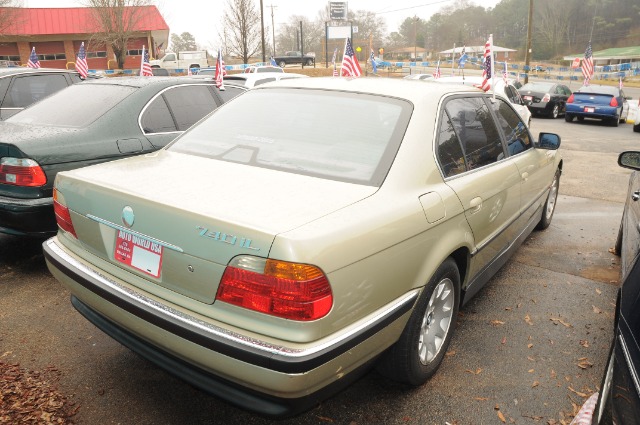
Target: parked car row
[(304, 232)]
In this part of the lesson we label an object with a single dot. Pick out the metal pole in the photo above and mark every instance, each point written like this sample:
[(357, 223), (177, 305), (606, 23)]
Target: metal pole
[(273, 30), (264, 58), (301, 44)]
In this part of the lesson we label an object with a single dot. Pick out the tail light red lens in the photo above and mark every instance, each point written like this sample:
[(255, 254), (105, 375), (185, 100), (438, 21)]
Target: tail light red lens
[(63, 216), (546, 97), (614, 102), (21, 172), (570, 100), (289, 290)]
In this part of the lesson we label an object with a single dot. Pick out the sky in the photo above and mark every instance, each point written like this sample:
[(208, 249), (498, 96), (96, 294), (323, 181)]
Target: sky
[(202, 18)]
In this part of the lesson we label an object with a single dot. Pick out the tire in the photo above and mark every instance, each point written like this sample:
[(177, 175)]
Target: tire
[(550, 204), (636, 127), (602, 412), (555, 112), (416, 356), (282, 64), (617, 249), (568, 117), (309, 62), (614, 122), (580, 119)]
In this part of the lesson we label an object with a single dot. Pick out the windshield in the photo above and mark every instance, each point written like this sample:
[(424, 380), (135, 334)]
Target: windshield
[(341, 136), (76, 106)]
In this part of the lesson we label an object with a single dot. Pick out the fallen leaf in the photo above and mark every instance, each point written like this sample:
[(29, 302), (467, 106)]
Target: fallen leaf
[(481, 398), (497, 322), (501, 417), (535, 384), (528, 319), (504, 340), (576, 392), (584, 343), (598, 291), (508, 308), (451, 353), (324, 419), (553, 373), (555, 321), (530, 345), (596, 310), (531, 370), (584, 364), (476, 372), (531, 358)]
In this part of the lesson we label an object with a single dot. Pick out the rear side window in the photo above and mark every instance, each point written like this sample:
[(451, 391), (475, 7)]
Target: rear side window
[(471, 122), (156, 118), (189, 104), (28, 89)]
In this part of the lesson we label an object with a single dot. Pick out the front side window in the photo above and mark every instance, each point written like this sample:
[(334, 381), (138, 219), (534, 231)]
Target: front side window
[(349, 137), (516, 133)]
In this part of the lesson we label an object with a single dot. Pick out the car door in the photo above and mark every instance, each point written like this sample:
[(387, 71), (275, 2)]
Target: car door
[(476, 166)]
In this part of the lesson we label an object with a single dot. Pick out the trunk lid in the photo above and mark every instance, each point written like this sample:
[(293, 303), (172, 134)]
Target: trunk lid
[(203, 212)]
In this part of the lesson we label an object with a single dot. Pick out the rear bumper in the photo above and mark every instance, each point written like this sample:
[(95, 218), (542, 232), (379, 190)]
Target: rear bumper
[(260, 375), (27, 217), (600, 112)]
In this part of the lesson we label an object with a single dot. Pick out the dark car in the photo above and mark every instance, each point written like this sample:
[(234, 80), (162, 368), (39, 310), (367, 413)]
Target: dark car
[(545, 98), (619, 399), (89, 123), (606, 103), (20, 87)]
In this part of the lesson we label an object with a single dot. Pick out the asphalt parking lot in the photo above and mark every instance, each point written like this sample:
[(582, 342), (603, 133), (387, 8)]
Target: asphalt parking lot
[(528, 349)]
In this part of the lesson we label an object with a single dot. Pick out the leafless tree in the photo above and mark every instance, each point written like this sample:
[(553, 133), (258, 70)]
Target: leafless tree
[(241, 28), (7, 14), (115, 23)]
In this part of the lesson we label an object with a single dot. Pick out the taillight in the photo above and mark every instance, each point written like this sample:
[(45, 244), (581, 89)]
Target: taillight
[(570, 100), (614, 102), (546, 97), (278, 288), (21, 172), (63, 216)]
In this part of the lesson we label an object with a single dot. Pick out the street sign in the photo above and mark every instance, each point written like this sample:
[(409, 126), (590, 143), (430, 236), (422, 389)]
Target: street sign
[(576, 63), (338, 10)]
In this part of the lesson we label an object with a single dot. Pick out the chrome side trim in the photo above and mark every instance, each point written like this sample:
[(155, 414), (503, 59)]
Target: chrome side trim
[(627, 357), (193, 323), (124, 229)]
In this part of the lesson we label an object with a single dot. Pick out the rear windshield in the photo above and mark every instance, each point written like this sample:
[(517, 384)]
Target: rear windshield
[(340, 136), (76, 106), (544, 87), (611, 91)]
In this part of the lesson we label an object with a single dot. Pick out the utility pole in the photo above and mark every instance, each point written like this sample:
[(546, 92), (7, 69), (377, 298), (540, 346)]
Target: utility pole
[(273, 30), (527, 54), (264, 58)]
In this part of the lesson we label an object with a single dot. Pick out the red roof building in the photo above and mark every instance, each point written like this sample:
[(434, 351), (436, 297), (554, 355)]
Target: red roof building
[(57, 33)]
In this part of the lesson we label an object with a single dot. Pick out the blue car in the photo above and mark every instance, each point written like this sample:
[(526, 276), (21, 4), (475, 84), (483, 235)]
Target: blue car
[(605, 103)]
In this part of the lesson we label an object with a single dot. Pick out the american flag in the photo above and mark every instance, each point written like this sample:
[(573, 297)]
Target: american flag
[(333, 62), (587, 64), (436, 73), (350, 65), (463, 57), (145, 66), (620, 85), (81, 62), (487, 66), (220, 71), (33, 59)]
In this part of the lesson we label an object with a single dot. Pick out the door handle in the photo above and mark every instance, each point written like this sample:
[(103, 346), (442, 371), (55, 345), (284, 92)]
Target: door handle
[(525, 176), (475, 204), (636, 195)]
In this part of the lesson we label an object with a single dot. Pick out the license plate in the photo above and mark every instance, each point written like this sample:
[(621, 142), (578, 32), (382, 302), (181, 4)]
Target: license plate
[(528, 97), (139, 253), (587, 109)]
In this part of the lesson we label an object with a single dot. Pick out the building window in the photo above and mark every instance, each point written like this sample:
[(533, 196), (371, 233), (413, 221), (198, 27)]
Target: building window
[(10, 58), (102, 54), (134, 52), (52, 57)]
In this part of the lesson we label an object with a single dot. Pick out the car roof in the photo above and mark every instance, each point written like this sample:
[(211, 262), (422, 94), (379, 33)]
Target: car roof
[(411, 90), (4, 72), (137, 81)]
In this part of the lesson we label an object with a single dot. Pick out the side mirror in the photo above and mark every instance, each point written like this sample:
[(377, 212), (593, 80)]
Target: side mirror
[(550, 141), (629, 159)]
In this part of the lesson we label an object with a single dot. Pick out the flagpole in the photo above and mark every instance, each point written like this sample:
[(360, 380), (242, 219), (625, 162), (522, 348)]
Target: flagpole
[(493, 68), (453, 59)]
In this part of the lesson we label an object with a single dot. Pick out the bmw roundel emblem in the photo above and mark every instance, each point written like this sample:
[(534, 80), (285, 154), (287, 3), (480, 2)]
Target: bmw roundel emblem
[(127, 216)]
